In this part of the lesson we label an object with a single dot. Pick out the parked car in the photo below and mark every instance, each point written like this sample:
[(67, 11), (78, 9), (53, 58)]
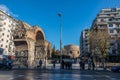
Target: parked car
[(5, 64), (115, 68)]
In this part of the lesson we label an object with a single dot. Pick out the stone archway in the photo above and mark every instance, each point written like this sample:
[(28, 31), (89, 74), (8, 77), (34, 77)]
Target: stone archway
[(30, 40), (21, 45), (39, 47), (21, 53), (35, 39)]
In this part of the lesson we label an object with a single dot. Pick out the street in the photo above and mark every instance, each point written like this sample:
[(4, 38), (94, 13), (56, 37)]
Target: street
[(58, 75)]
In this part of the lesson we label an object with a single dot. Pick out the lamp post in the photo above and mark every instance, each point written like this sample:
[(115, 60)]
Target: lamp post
[(60, 16)]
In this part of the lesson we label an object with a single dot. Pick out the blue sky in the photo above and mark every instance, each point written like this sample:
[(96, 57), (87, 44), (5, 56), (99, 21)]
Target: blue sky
[(76, 16)]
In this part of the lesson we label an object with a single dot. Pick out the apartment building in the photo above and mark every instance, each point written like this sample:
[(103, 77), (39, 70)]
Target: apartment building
[(84, 42), (109, 18), (7, 25)]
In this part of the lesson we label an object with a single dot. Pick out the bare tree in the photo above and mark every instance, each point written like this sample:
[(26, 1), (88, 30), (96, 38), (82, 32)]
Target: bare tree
[(99, 43), (117, 38)]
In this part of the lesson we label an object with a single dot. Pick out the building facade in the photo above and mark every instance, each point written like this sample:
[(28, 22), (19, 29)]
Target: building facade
[(109, 18), (84, 42), (7, 24), (27, 43)]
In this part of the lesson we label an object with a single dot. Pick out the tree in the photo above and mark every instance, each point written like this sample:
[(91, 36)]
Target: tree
[(99, 43), (117, 38)]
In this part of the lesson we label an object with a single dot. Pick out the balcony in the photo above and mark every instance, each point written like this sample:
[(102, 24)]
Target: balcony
[(110, 12), (114, 21), (103, 16), (117, 16), (101, 23)]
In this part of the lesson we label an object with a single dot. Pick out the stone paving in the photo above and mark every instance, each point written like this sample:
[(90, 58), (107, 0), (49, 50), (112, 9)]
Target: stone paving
[(58, 75)]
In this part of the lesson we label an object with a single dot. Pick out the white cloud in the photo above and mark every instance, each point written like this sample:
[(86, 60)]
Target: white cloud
[(5, 9)]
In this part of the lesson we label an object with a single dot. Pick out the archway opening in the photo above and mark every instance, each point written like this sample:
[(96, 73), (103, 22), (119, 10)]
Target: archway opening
[(21, 54), (39, 36), (39, 47)]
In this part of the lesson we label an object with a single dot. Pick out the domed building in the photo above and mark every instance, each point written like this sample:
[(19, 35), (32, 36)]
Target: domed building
[(71, 50)]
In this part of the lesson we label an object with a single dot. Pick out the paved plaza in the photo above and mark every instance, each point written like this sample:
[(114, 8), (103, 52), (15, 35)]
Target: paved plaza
[(58, 75)]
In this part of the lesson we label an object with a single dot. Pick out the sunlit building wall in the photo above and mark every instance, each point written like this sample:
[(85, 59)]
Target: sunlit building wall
[(7, 25)]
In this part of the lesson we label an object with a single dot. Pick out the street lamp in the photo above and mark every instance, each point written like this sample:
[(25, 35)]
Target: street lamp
[(60, 16)]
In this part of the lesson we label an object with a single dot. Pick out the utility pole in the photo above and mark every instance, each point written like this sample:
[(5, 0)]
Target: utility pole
[(60, 16)]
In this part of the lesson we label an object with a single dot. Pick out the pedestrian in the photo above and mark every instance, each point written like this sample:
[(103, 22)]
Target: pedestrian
[(93, 65), (80, 63), (54, 64), (66, 65), (62, 64), (40, 63), (83, 65), (70, 65), (89, 64), (9, 64)]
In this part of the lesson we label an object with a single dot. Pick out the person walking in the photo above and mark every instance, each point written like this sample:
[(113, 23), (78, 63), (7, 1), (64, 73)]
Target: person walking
[(54, 64), (89, 64), (62, 64), (93, 65), (9, 64), (80, 63), (40, 63), (83, 65)]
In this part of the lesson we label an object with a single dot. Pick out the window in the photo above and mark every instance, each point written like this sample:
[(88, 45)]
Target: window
[(70, 52), (78, 52), (2, 17), (102, 26), (108, 14), (102, 20), (111, 31), (3, 34), (9, 25), (111, 19), (3, 28), (117, 25), (118, 10), (86, 40), (4, 23), (118, 31), (113, 10), (2, 39), (7, 41), (110, 25), (1, 45), (7, 35)]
